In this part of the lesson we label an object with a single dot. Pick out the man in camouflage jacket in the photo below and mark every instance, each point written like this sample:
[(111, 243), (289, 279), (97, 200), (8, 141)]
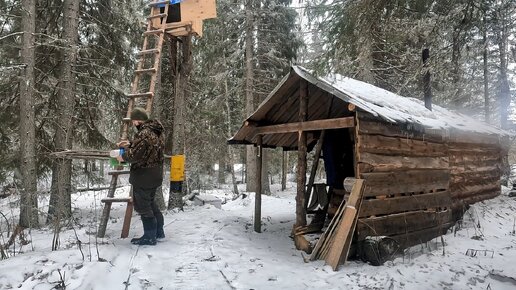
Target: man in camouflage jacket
[(145, 153)]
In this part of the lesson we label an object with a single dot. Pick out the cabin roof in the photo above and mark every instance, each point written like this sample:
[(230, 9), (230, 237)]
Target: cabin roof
[(338, 91)]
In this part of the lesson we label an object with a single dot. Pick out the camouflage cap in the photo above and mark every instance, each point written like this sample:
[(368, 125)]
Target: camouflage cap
[(139, 114)]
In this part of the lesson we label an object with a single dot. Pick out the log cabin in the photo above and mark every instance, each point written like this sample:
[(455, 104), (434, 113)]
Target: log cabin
[(422, 168)]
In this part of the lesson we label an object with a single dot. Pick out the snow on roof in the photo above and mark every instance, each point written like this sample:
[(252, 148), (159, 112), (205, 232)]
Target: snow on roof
[(395, 108)]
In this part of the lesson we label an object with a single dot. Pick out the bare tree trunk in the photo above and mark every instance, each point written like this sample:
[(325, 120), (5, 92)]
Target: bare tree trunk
[(366, 42), (249, 95), (504, 93), (504, 90), (62, 170), (427, 87), (29, 201), (167, 111), (183, 91), (221, 178), (158, 113), (229, 124), (486, 70)]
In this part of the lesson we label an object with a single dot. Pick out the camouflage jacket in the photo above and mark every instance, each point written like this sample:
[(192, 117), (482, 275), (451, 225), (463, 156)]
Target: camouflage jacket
[(145, 153)]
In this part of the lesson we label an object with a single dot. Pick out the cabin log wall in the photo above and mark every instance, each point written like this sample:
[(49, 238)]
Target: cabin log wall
[(475, 170), (416, 182)]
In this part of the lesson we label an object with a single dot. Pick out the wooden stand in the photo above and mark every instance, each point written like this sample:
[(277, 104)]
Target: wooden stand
[(151, 49)]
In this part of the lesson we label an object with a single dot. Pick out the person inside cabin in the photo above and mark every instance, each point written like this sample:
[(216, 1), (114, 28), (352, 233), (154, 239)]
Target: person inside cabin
[(145, 154)]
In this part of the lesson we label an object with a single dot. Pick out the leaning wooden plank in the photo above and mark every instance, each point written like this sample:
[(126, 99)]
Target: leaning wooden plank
[(340, 247), (323, 240), (345, 228)]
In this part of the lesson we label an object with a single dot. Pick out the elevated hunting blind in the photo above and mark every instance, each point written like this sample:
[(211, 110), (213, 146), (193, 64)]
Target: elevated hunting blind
[(186, 16)]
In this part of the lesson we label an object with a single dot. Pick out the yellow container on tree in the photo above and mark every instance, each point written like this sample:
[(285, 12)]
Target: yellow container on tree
[(177, 168)]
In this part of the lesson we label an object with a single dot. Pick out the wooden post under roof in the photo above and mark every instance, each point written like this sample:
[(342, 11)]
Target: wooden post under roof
[(301, 160), (258, 195), (284, 165)]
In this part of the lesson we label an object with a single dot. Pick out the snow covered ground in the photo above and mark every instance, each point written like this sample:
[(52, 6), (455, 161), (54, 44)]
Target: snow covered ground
[(210, 248)]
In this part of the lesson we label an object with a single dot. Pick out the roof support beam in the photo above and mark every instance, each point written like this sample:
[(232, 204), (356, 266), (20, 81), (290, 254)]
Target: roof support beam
[(337, 123), (301, 155)]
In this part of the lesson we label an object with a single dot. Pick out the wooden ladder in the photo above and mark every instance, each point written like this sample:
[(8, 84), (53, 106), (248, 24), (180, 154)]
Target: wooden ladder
[(151, 52)]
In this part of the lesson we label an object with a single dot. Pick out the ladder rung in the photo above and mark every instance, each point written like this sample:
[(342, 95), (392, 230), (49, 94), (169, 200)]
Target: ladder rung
[(141, 95), (145, 70), (161, 15), (126, 120), (157, 31), (118, 172), (157, 3), (148, 51), (116, 199)]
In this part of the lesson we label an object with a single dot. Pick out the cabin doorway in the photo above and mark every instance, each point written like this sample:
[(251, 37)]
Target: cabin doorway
[(338, 159)]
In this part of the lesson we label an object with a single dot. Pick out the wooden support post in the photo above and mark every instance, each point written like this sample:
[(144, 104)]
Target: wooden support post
[(107, 208), (127, 219), (284, 166), (258, 195), (301, 160)]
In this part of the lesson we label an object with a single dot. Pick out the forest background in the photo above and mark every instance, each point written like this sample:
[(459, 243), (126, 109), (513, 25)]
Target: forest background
[(65, 67)]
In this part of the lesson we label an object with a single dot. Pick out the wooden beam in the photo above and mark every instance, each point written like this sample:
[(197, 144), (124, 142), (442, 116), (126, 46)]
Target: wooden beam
[(316, 125), (258, 195), (301, 160)]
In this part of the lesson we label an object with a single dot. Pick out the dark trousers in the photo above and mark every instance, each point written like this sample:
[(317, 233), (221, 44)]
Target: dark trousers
[(144, 200)]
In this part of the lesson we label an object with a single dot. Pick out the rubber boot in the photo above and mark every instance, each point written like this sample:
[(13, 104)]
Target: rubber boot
[(160, 233), (149, 232)]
